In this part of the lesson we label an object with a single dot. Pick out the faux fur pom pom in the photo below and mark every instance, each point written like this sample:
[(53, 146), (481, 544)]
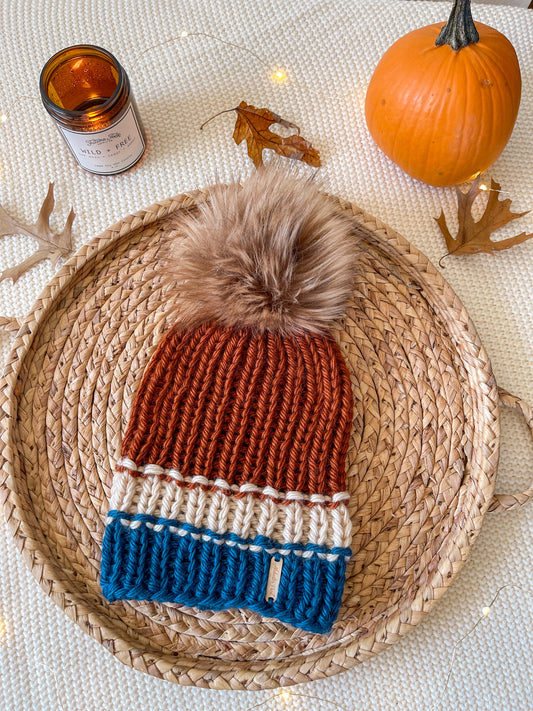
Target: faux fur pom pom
[(273, 254)]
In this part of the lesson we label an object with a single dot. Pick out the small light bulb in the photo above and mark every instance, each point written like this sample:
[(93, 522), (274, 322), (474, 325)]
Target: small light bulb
[(3, 118), (285, 695), (485, 611), (184, 34), (279, 75), (483, 187)]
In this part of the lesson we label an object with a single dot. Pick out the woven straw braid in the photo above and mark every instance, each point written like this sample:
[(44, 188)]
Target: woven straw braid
[(421, 462), (511, 502)]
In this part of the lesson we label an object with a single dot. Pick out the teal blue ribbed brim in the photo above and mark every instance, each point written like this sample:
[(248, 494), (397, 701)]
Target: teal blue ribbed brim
[(147, 558)]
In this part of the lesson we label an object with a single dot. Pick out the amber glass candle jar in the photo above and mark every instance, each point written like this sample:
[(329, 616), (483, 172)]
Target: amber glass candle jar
[(87, 92)]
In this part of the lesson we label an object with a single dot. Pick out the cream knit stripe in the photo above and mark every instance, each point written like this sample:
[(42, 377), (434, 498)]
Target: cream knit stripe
[(156, 470), (245, 517)]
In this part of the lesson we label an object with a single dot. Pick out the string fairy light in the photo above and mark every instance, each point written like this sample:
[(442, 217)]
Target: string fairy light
[(286, 696), (184, 34), (485, 612), (277, 74), (486, 189)]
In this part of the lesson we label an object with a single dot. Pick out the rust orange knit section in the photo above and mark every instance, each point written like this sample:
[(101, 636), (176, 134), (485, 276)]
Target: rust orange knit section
[(227, 403)]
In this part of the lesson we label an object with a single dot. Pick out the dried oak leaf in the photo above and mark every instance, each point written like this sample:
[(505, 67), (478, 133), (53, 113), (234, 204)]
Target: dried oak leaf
[(474, 237), (51, 246), (253, 126)]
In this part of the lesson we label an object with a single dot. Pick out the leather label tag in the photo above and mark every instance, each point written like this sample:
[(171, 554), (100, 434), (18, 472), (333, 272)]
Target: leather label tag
[(274, 577)]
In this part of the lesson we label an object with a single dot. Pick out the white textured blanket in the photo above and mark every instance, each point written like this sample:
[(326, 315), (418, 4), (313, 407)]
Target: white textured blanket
[(329, 49)]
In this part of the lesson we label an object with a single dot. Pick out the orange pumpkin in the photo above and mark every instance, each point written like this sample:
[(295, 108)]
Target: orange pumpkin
[(444, 112)]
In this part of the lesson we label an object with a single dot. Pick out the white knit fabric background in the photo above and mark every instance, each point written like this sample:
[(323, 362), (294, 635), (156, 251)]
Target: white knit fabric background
[(329, 48)]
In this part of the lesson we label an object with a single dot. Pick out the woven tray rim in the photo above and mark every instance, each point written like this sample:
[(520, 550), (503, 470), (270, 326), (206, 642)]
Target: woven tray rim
[(193, 671)]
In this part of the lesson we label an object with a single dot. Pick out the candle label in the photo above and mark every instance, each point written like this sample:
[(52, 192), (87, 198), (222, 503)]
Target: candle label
[(110, 150)]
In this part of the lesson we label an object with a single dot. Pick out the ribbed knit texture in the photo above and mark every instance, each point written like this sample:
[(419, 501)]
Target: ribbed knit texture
[(262, 409), (234, 456), (143, 563)]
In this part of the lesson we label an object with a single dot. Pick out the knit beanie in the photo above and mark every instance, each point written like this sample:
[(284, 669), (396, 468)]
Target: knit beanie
[(230, 487)]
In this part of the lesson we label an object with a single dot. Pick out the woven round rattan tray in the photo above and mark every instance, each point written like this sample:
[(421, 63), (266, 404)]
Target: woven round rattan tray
[(422, 459)]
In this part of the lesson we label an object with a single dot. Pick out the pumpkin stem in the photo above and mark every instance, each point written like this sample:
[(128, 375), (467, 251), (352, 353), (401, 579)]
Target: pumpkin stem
[(460, 30)]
